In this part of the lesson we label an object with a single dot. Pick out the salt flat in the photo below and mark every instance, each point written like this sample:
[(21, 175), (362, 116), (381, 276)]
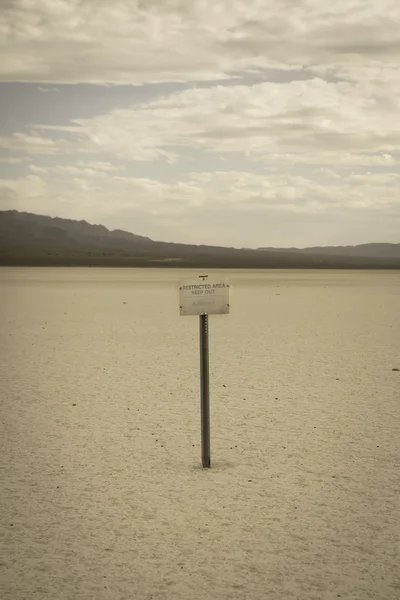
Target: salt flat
[(102, 494)]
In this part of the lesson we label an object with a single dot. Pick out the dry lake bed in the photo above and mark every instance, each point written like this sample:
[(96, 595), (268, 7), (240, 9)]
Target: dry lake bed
[(102, 492)]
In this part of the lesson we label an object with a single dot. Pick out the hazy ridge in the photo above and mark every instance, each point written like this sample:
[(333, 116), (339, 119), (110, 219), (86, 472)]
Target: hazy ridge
[(373, 250), (30, 239)]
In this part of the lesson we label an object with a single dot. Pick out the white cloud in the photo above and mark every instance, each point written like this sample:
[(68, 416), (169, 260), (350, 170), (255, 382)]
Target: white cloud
[(85, 172), (100, 165), (37, 169), (301, 122), (367, 159), (12, 160), (375, 179), (22, 193), (177, 40), (327, 172), (33, 143), (44, 90)]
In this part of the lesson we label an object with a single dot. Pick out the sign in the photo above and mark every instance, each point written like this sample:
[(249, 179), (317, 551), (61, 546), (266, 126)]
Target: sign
[(203, 296)]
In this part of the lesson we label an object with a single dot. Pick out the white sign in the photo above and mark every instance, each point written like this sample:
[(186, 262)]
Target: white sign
[(204, 296)]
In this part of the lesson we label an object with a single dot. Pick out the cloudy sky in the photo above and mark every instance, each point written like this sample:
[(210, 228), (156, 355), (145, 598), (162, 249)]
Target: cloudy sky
[(232, 122)]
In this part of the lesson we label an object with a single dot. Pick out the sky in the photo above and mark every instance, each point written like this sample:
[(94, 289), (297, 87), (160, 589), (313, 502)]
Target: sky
[(241, 123)]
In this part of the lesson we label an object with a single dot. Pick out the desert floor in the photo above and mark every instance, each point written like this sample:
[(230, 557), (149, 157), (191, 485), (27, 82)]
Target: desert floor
[(102, 491)]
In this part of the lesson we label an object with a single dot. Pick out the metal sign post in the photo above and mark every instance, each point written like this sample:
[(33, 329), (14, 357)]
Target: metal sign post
[(204, 393), (208, 296)]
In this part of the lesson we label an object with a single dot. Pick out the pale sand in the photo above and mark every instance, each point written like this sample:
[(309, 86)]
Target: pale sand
[(106, 499)]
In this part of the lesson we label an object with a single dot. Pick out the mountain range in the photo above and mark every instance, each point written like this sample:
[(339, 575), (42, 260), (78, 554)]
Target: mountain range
[(38, 240), (366, 250)]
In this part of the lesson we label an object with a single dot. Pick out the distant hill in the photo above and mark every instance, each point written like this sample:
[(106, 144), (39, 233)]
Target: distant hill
[(36, 240), (38, 229), (371, 250)]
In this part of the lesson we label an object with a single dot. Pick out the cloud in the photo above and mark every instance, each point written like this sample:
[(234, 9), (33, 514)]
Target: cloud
[(47, 89), (300, 122), (37, 169), (22, 193), (375, 179), (327, 172), (100, 165), (368, 159), (33, 143), (12, 160), (176, 40)]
